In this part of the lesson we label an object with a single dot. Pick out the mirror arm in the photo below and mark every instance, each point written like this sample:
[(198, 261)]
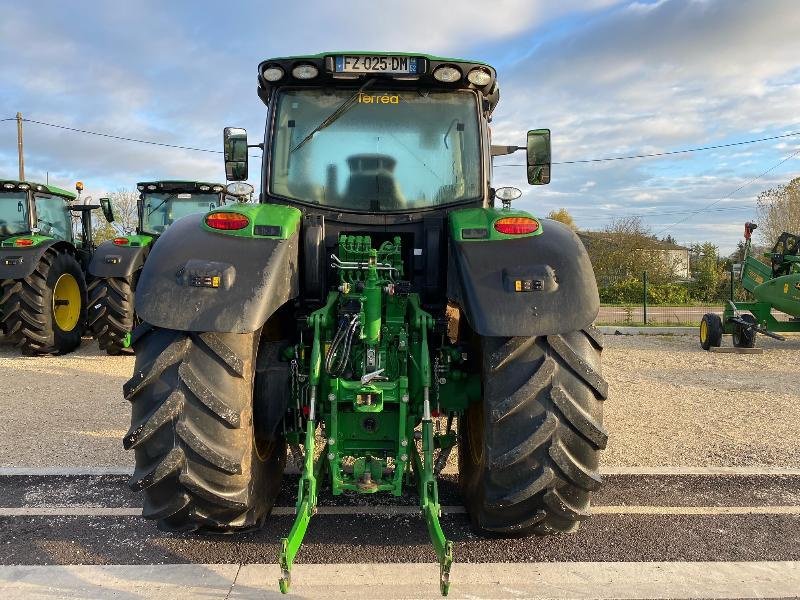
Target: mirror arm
[(261, 146), (505, 150)]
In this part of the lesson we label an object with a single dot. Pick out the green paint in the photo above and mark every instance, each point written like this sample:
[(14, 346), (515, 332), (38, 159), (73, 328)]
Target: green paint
[(137, 240), (37, 241), (374, 327), (279, 215), (42, 187), (483, 219)]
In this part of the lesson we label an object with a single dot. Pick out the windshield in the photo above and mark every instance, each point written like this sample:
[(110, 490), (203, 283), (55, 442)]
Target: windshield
[(162, 209), (388, 151), (53, 217), (13, 213)]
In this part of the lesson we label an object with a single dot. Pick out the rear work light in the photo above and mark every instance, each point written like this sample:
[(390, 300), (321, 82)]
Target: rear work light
[(516, 225), (23, 242), (120, 241), (227, 221)]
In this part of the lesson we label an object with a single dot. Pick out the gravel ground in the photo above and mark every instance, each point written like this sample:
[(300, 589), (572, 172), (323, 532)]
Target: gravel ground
[(670, 404)]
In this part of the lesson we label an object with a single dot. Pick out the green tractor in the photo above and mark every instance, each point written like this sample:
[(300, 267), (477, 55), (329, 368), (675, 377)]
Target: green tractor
[(381, 282), (774, 286), (43, 265), (117, 263)]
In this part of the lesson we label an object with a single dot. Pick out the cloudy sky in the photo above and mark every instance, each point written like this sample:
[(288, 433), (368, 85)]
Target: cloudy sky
[(608, 78)]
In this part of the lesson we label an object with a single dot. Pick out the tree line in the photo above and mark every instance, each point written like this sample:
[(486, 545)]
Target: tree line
[(626, 248)]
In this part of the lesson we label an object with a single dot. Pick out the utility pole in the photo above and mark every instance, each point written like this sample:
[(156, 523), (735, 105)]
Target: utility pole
[(20, 150)]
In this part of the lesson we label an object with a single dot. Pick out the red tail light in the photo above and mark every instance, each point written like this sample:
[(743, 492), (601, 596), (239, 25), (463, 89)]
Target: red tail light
[(516, 225), (121, 241), (23, 242), (227, 220)]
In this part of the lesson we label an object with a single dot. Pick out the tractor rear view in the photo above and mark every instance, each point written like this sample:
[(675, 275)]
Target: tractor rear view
[(42, 266), (381, 281), (774, 286), (117, 263)]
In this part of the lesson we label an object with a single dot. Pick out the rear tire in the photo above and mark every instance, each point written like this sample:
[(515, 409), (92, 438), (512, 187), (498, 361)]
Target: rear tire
[(45, 313), (710, 331), (529, 452), (198, 459), (744, 337), (110, 315)]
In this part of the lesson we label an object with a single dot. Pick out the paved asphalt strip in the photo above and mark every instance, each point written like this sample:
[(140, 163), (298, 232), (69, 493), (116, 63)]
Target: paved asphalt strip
[(686, 534), (96, 511), (576, 580)]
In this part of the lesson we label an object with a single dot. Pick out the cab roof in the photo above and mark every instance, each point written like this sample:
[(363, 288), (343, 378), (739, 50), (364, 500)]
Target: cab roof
[(426, 65), (10, 184), (171, 185)]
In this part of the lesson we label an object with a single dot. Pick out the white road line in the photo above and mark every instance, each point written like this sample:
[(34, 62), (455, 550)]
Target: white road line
[(658, 470), (96, 511), (696, 510), (651, 470), (576, 580), (63, 471)]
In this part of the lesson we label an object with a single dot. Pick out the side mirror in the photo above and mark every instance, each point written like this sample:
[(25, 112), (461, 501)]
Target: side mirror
[(234, 141), (108, 212), (539, 156)]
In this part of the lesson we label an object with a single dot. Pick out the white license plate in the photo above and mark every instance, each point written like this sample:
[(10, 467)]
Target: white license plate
[(405, 65)]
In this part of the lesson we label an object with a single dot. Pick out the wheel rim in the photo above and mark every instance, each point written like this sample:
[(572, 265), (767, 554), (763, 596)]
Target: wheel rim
[(703, 331), (66, 302)]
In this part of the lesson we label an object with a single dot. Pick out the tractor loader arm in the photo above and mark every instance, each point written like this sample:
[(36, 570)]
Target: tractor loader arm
[(532, 286), (201, 280)]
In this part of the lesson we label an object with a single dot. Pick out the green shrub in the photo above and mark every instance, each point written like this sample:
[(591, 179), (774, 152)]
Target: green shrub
[(629, 291)]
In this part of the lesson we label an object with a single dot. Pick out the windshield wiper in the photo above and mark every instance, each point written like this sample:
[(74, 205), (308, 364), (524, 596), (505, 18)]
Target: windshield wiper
[(160, 204), (343, 108)]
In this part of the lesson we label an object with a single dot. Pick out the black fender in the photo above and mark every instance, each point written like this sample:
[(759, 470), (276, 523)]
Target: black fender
[(256, 276), (531, 286), (110, 260), (20, 262)]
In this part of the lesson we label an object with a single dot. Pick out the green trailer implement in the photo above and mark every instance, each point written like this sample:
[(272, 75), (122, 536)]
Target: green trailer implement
[(381, 282), (42, 266), (117, 263), (774, 286)]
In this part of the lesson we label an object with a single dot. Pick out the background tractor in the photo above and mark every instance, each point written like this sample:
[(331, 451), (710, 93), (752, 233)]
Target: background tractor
[(117, 263), (381, 281), (42, 266), (774, 286)]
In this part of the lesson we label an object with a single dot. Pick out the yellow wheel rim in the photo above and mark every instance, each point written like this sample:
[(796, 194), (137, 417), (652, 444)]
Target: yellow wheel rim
[(66, 302), (703, 331)]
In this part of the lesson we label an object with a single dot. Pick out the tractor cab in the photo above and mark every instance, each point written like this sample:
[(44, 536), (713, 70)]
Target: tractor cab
[(31, 208), (31, 213), (163, 202), (785, 255), (384, 145)]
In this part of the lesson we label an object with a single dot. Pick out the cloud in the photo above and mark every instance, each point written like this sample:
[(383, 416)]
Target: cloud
[(652, 77), (608, 77)]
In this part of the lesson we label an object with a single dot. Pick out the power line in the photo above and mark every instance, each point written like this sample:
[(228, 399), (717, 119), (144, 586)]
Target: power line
[(566, 162), (657, 154), (733, 193), (666, 213), (125, 139)]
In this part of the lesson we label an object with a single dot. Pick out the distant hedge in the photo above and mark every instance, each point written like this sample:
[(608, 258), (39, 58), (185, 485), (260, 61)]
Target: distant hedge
[(629, 291)]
